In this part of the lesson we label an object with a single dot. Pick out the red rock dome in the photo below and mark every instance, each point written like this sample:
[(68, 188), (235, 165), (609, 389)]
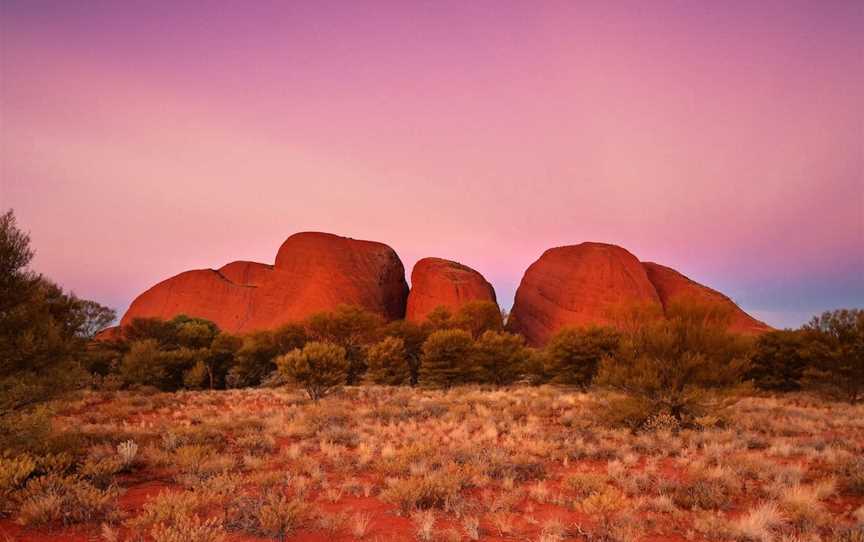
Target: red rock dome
[(600, 284), (436, 282), (314, 272), (673, 287), (579, 285)]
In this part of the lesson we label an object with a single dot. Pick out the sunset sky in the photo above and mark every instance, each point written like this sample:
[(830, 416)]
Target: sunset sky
[(140, 139)]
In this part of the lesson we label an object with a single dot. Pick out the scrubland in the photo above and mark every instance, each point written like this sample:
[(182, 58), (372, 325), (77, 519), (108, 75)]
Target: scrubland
[(397, 463)]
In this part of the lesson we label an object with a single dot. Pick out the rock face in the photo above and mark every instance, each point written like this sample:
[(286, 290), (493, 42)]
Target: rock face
[(580, 285), (600, 284), (313, 272), (436, 282), (673, 287)]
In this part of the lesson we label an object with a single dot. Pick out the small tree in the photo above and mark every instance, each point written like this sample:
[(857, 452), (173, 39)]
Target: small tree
[(780, 358), (837, 353), (682, 366), (255, 359), (446, 358), (438, 319), (319, 368), (477, 317), (413, 336), (500, 357), (144, 364), (352, 328), (388, 362), (572, 356)]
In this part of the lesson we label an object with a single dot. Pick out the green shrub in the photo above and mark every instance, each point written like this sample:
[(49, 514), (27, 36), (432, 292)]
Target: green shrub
[(67, 499), (837, 356), (446, 359), (683, 366), (477, 317), (319, 368), (413, 336), (779, 359), (500, 357), (352, 328), (388, 362), (255, 360), (572, 356)]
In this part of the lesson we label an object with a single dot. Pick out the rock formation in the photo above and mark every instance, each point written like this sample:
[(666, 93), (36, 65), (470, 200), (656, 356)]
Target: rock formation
[(673, 287), (580, 285), (601, 284), (313, 272), (437, 282)]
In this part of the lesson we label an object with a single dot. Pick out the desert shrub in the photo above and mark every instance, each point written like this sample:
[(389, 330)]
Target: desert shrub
[(43, 330), (255, 360), (500, 357), (149, 364), (14, 472), (837, 356), (413, 336), (178, 516), (584, 484), (388, 362), (779, 359), (274, 515), (319, 368), (31, 431), (446, 359), (477, 317), (66, 499), (685, 366), (197, 377), (572, 356), (143, 364), (439, 319), (100, 471), (189, 529), (352, 328), (703, 493), (438, 489)]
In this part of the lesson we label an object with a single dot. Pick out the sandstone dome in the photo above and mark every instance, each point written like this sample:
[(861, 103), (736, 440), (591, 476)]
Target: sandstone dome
[(313, 272), (437, 282)]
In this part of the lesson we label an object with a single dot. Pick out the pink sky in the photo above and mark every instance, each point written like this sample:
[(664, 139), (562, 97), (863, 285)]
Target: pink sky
[(722, 139)]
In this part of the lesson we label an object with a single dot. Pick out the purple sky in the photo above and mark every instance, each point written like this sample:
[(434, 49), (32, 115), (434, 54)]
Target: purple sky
[(724, 139)]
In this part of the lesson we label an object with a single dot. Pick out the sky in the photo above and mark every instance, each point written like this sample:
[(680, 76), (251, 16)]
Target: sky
[(724, 139)]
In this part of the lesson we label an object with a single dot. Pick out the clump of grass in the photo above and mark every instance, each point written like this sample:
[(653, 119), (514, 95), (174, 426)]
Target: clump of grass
[(424, 524), (436, 490), (760, 524), (360, 524), (65, 499), (585, 484), (189, 529)]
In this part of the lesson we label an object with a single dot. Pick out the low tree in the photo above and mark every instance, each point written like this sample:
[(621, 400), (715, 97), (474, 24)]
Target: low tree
[(144, 364), (500, 357), (837, 354), (572, 356), (388, 362), (682, 367), (223, 349), (319, 368), (413, 336), (43, 330), (352, 328), (447, 359), (440, 318), (780, 358), (477, 317)]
